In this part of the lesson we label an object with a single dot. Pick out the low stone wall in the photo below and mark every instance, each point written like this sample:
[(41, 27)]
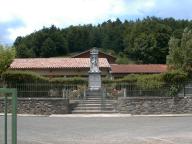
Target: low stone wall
[(131, 105), (43, 106), (155, 105)]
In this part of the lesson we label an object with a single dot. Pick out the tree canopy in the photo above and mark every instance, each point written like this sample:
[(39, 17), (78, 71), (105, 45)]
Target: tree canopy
[(143, 41), (7, 54), (180, 51)]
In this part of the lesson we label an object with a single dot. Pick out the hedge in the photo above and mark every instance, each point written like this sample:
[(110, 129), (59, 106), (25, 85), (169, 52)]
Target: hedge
[(31, 77), (152, 81), (144, 80), (175, 76), (173, 80)]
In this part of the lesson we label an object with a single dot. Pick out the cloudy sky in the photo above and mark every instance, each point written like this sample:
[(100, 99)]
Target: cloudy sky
[(21, 17)]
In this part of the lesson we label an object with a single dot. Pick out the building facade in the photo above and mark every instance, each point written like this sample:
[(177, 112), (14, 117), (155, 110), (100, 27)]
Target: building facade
[(79, 65), (59, 67)]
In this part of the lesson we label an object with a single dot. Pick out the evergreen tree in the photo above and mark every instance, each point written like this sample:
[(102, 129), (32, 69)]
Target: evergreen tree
[(144, 41), (48, 48)]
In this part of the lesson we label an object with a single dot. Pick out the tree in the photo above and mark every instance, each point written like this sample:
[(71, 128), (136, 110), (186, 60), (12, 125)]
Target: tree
[(95, 38), (147, 40), (48, 48), (112, 35), (144, 49), (180, 51), (143, 40), (22, 51), (7, 54)]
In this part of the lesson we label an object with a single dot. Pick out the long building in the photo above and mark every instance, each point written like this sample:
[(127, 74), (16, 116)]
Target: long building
[(70, 67), (79, 65)]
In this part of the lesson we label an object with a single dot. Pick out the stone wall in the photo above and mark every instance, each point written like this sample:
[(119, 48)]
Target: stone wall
[(155, 105), (131, 105), (42, 106)]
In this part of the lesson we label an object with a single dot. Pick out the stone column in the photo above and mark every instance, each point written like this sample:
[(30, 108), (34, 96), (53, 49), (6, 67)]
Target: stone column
[(94, 72)]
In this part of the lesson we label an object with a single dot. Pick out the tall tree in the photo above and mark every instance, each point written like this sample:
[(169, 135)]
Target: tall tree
[(22, 51), (121, 37), (180, 51), (7, 54), (48, 48)]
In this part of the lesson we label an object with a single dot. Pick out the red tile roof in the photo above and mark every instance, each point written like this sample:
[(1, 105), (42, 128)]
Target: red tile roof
[(138, 68), (86, 54), (88, 51), (42, 63)]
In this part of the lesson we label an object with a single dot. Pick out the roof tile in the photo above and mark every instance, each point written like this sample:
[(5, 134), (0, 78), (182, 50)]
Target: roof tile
[(138, 68), (42, 63)]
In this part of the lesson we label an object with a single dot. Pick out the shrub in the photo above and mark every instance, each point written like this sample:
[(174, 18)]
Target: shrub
[(31, 77), (153, 81), (145, 81), (129, 78), (22, 77), (171, 82), (175, 76), (74, 80), (173, 90)]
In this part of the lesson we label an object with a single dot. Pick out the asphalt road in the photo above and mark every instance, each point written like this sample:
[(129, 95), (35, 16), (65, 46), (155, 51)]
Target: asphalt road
[(104, 130)]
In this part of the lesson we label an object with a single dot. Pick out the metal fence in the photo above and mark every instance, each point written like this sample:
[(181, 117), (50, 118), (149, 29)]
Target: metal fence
[(113, 91), (136, 90), (49, 90)]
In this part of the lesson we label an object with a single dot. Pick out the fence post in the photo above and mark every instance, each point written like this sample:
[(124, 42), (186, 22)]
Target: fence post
[(104, 91), (5, 120), (14, 116), (184, 90), (84, 93), (64, 93), (125, 92)]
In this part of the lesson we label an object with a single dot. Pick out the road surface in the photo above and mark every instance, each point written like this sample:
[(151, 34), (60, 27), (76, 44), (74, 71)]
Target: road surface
[(103, 130)]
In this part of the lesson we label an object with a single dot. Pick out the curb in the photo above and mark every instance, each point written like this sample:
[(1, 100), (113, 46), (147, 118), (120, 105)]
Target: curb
[(100, 115), (25, 115), (120, 115), (91, 115), (164, 115)]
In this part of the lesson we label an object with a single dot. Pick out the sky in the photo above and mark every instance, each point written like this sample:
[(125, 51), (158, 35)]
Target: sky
[(22, 17)]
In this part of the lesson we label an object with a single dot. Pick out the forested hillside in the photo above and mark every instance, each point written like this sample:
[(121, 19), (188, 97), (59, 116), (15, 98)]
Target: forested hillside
[(144, 41)]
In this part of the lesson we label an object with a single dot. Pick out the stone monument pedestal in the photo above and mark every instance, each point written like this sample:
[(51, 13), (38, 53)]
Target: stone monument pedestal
[(94, 73), (94, 81)]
